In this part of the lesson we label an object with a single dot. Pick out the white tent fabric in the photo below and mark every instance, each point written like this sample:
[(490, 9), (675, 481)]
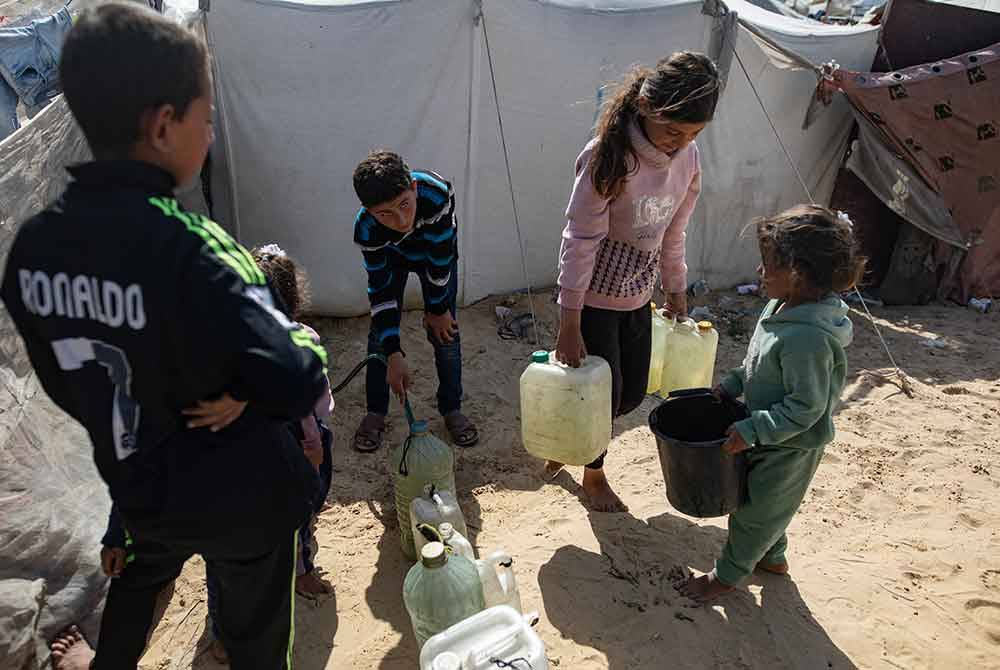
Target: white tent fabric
[(307, 89)]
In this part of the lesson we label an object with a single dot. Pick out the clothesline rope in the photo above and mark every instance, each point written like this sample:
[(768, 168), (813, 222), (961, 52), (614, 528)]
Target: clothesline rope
[(510, 180)]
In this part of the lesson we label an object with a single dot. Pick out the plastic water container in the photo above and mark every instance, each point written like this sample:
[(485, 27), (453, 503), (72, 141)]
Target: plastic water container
[(710, 336), (496, 634), (566, 412), (420, 461), (499, 585), (440, 591), (434, 507), (689, 361), (657, 353), (457, 542), (690, 427)]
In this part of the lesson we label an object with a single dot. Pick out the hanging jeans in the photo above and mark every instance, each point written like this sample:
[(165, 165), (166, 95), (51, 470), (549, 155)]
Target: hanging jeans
[(29, 67)]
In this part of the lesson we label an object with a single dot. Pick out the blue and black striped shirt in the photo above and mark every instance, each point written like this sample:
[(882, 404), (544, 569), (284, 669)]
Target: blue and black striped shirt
[(431, 248)]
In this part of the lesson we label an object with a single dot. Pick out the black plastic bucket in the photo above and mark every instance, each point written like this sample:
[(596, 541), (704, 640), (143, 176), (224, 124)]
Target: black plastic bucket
[(690, 428)]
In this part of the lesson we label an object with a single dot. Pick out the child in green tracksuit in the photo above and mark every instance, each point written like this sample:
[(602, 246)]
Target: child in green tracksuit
[(791, 379)]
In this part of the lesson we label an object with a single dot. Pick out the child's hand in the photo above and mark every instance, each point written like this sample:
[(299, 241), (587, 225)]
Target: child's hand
[(314, 455), (735, 444), (677, 305), (721, 393), (113, 560), (398, 375), (570, 348), (215, 414), (442, 327)]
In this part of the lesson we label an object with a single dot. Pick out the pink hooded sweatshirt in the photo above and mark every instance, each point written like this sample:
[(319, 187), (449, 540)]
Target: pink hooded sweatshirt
[(613, 250)]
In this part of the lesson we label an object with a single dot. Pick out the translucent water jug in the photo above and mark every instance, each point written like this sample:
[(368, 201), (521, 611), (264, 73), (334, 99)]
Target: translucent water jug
[(690, 357), (434, 507), (657, 352), (566, 412), (440, 591), (421, 460), (456, 541), (495, 634), (711, 338), (499, 585)]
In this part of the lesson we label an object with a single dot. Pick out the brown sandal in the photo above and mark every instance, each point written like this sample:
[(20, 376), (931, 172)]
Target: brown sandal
[(369, 436), (463, 432)]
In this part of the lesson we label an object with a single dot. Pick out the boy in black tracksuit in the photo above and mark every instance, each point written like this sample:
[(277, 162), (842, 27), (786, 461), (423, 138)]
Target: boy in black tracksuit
[(133, 310)]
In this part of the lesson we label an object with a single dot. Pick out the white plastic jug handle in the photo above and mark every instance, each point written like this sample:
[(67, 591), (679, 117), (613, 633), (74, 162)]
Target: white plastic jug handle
[(501, 558), (505, 640)]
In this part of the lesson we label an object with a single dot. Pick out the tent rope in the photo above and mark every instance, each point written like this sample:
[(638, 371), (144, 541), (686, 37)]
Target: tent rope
[(903, 380), (510, 179)]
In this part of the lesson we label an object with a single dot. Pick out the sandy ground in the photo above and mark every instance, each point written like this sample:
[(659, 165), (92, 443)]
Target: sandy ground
[(895, 554)]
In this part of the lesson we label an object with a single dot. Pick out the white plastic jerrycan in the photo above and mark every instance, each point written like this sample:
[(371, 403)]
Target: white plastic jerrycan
[(434, 507), (690, 357), (440, 591), (657, 352), (566, 412), (499, 585), (495, 634), (456, 541)]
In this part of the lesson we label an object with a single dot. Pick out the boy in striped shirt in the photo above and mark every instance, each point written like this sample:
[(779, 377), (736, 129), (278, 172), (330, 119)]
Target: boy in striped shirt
[(406, 225)]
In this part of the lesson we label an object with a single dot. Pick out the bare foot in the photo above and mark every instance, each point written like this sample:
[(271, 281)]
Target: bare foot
[(774, 568), (311, 586), (552, 468), (70, 651), (703, 589), (599, 493), (219, 652)]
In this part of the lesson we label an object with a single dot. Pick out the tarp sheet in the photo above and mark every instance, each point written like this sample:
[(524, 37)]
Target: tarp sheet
[(897, 185), (941, 117), (53, 504), (308, 89)]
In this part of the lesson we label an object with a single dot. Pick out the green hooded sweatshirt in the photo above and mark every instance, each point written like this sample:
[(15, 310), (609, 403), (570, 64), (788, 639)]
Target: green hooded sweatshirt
[(793, 374)]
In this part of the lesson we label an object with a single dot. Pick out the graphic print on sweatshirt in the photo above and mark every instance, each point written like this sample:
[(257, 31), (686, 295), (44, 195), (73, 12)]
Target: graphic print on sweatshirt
[(624, 271), (652, 215)]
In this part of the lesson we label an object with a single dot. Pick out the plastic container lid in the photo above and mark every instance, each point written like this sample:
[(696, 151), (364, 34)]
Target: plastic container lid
[(540, 357), (433, 555), (446, 530), (447, 661), (704, 325), (418, 427)]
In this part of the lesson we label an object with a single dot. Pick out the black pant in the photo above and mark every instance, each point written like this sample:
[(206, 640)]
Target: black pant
[(255, 606), (624, 340)]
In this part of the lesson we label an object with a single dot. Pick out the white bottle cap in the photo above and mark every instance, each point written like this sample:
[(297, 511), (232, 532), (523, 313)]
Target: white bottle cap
[(432, 555), (447, 661), (446, 530)]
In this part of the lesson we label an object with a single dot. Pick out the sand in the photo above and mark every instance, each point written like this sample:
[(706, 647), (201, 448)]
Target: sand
[(895, 556)]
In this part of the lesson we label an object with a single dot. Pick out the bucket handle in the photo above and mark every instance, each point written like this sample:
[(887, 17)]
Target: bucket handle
[(691, 393)]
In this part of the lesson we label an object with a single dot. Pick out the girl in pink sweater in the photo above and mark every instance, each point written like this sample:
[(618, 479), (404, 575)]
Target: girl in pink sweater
[(636, 185)]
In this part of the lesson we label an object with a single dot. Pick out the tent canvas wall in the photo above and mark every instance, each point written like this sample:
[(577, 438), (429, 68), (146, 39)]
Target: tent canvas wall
[(307, 89)]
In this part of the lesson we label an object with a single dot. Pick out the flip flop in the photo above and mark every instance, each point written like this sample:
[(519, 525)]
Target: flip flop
[(370, 433), (463, 432)]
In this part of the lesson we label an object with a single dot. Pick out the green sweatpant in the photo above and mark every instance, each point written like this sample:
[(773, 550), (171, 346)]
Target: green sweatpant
[(777, 481)]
